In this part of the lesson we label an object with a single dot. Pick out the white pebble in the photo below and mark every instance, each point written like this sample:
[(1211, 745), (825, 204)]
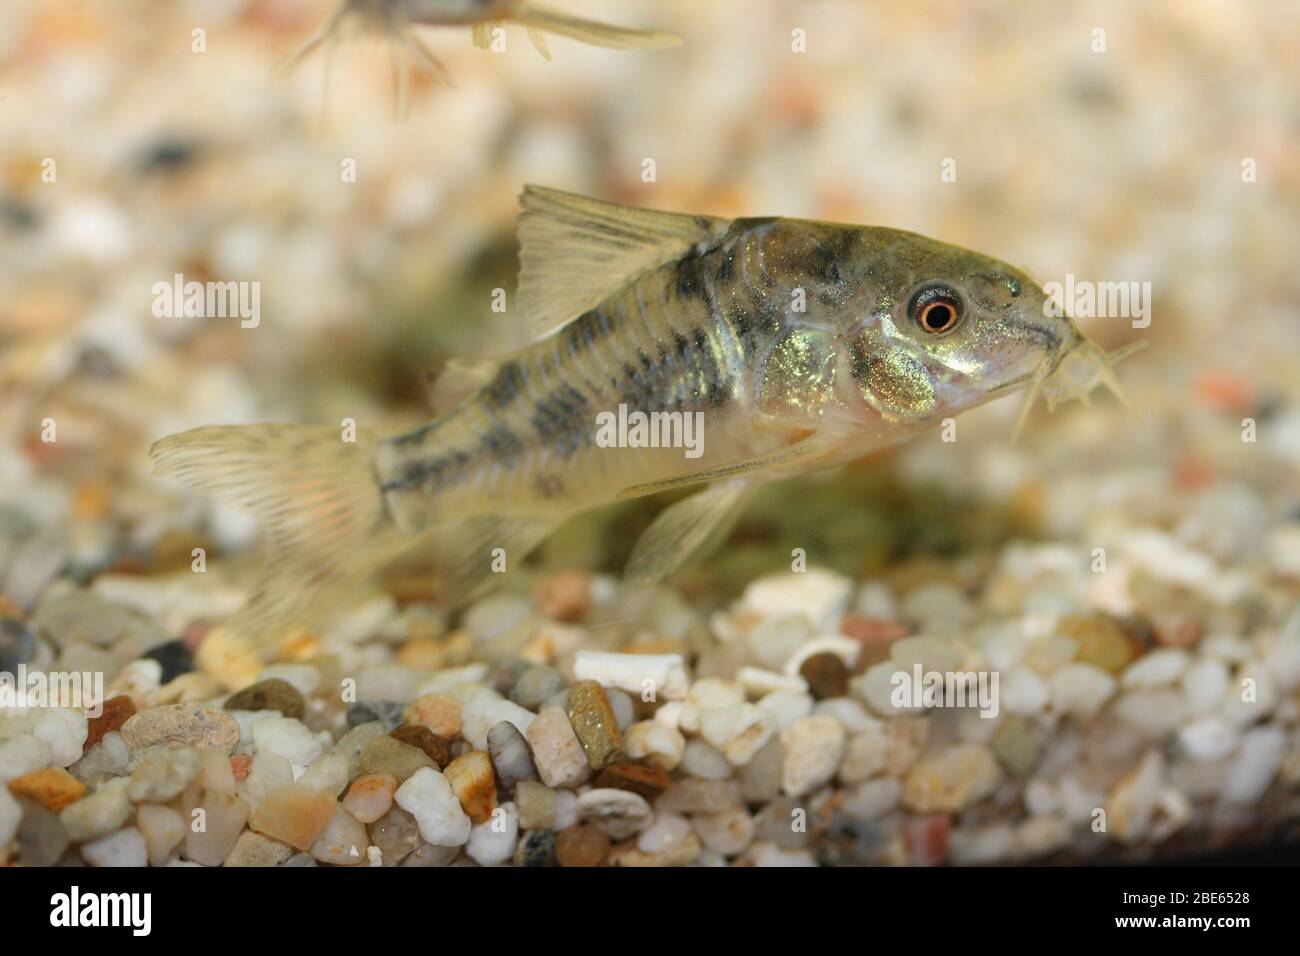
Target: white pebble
[(756, 681), (872, 799), (11, 814), (329, 773), (655, 742), (428, 797), (620, 813), (665, 674), (786, 707), (1204, 684), (1080, 690), (485, 709), (288, 738), (845, 648), (493, 841), (666, 832), (822, 596), (813, 749), (64, 733), (125, 847), (1209, 738), (704, 694), (1258, 760), (1156, 669), (703, 760), (21, 755), (1024, 692), (566, 809)]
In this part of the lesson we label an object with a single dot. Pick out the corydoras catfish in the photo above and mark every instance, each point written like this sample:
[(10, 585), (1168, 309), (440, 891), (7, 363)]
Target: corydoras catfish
[(670, 350)]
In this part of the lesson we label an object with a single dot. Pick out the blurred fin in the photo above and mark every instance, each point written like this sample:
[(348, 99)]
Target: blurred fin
[(806, 448), (591, 31), (317, 500), (687, 529)]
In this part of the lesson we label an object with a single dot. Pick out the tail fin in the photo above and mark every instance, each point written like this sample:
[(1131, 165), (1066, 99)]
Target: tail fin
[(590, 31), (319, 503)]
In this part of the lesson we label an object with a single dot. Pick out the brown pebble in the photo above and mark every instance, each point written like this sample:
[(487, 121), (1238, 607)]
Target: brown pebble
[(564, 596), (474, 782), (54, 788), (826, 674), (117, 710), (413, 735), (293, 814), (1100, 640), (645, 779), (240, 765), (581, 845), (875, 634), (594, 723), (269, 694)]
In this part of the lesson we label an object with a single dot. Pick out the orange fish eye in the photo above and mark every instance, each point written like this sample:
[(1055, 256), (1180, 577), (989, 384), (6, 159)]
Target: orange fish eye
[(936, 310)]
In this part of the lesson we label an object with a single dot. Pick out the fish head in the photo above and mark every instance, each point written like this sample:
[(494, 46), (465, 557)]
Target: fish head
[(947, 329)]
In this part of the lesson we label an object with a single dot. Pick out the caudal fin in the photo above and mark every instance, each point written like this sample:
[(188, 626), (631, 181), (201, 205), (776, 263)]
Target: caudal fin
[(591, 31), (319, 505)]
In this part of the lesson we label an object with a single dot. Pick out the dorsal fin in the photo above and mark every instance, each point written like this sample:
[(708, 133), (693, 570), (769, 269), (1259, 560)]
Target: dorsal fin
[(575, 251)]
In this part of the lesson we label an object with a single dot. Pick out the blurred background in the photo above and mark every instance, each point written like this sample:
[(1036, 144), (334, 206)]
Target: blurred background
[(1152, 142)]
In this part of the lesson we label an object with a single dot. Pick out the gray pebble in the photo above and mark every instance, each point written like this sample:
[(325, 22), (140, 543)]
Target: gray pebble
[(17, 645), (537, 685), (510, 756), (41, 837), (386, 712)]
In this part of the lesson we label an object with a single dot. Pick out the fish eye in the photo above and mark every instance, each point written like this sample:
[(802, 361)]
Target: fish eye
[(935, 309)]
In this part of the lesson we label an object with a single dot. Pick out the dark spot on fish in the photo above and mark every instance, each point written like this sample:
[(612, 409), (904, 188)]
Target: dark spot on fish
[(431, 475), (587, 329), (562, 421), (690, 283), (548, 486), (502, 445), (727, 267), (506, 386)]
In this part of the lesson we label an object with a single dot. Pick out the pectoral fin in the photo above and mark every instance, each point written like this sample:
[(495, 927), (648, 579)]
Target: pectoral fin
[(686, 529)]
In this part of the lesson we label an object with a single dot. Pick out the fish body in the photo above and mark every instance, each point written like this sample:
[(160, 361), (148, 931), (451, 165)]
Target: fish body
[(790, 345)]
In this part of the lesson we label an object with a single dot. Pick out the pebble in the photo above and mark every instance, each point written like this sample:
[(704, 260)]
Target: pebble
[(401, 761), (1258, 760), (272, 694), (581, 845), (98, 813), (370, 796), (1017, 744), (656, 743), (52, 787), (537, 685), (1156, 669), (1204, 684), (63, 732), (557, 752), (510, 757), (707, 694), (681, 854), (79, 616), (182, 725), (485, 709), (439, 712), (694, 795), (536, 848), (255, 849), (619, 813), (224, 816), (786, 707), (1023, 692), (287, 737), (474, 783), (352, 744), (390, 713), (492, 842), (110, 758), (267, 772), (822, 596), (594, 723), (173, 659), (873, 799), (41, 837), (162, 828), (666, 832), (563, 596), (1132, 802), (728, 833), (114, 713), (1080, 690), (661, 676), (645, 779), (426, 854), (429, 798), (827, 676), (295, 815), (305, 678), (1099, 641), (328, 773), (17, 645), (126, 847), (739, 731), (11, 815), (536, 804), (1208, 739), (951, 780), (813, 748), (704, 760), (756, 682), (163, 774), (865, 755), (760, 779), (396, 834), (438, 749), (343, 842), (20, 755)]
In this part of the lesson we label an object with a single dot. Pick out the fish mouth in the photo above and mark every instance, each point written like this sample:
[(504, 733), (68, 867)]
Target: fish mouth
[(1088, 366)]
